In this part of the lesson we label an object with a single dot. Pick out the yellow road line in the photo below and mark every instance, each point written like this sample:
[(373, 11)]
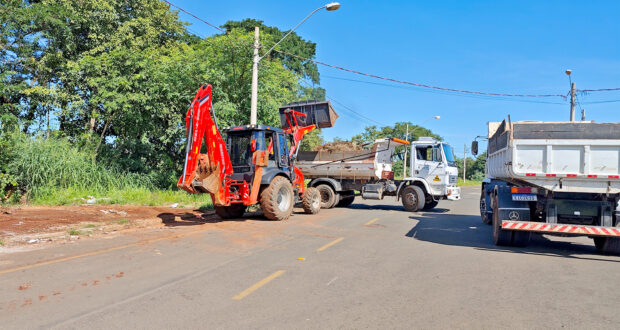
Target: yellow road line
[(330, 244), (92, 253), (371, 221), (258, 284)]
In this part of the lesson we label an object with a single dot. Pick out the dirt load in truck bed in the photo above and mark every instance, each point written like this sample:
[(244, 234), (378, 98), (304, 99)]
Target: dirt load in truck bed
[(339, 146)]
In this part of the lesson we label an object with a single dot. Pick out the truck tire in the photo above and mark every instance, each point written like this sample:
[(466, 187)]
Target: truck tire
[(607, 245), (500, 237), (413, 198), (483, 209), (328, 196), (230, 212), (430, 204), (277, 199), (311, 200), (345, 200)]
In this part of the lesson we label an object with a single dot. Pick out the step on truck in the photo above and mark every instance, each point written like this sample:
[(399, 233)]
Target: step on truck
[(558, 178), (338, 175)]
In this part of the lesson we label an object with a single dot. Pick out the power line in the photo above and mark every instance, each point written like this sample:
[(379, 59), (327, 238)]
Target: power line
[(360, 116), (599, 90), (194, 16), (417, 84)]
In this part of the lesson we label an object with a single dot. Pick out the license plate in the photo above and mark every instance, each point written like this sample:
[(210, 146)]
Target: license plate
[(524, 197)]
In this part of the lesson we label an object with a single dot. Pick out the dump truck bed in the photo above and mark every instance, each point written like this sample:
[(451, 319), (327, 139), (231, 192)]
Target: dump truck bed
[(557, 156)]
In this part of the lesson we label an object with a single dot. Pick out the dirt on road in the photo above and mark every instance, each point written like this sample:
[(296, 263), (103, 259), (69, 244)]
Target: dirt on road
[(32, 223)]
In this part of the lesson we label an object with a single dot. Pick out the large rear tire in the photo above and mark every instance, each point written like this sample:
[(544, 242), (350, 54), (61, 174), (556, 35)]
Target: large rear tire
[(607, 245), (277, 199), (500, 237), (329, 198), (413, 198), (483, 209), (346, 200), (230, 212), (311, 200), (430, 204)]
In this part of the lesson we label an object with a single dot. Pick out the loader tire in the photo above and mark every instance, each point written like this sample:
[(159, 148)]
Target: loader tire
[(277, 199), (413, 198), (607, 245), (311, 200), (233, 211), (329, 198)]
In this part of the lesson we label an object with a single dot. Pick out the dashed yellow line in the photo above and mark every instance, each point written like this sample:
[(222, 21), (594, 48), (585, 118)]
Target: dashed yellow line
[(371, 221), (257, 285), (330, 244)]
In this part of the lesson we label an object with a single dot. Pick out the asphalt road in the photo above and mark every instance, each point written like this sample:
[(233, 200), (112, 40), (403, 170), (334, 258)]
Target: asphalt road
[(369, 266)]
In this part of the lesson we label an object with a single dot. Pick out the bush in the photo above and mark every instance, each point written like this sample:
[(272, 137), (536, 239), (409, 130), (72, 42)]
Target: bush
[(43, 167)]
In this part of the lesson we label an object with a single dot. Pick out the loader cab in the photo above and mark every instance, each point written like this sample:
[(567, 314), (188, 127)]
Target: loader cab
[(243, 141)]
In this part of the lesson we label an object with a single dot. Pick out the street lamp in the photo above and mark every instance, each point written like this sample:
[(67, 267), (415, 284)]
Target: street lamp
[(254, 104), (407, 138)]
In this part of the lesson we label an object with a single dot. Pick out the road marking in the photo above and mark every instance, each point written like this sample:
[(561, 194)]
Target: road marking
[(371, 221), (332, 280), (93, 253), (257, 285), (330, 244)]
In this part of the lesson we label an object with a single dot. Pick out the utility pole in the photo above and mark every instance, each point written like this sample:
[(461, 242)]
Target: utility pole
[(572, 102), (406, 149), (464, 161), (254, 103)]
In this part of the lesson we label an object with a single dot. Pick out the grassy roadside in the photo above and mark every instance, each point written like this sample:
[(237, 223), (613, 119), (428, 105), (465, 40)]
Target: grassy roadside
[(130, 196), (467, 183)]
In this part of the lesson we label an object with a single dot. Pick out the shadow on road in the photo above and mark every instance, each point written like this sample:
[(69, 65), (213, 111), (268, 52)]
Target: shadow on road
[(468, 230), (184, 218)]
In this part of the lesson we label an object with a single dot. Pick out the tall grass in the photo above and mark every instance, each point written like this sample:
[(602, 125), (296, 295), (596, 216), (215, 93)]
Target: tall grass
[(55, 171)]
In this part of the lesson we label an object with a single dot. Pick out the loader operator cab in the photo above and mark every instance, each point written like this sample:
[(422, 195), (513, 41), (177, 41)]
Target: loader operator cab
[(243, 141)]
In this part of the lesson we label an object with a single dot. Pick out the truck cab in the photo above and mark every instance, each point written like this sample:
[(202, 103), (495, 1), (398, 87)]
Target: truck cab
[(433, 162)]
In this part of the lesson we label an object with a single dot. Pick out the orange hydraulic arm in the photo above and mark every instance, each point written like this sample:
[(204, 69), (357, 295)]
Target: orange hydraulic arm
[(204, 172)]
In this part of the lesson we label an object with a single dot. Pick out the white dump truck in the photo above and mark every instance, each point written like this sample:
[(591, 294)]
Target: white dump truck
[(338, 175), (559, 178)]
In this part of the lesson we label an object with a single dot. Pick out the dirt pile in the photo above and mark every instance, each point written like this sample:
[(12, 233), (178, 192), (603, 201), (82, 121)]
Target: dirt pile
[(339, 146)]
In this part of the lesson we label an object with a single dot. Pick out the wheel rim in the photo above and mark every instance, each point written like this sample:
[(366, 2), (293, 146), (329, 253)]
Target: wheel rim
[(324, 196), (316, 201), (411, 199), (284, 198)]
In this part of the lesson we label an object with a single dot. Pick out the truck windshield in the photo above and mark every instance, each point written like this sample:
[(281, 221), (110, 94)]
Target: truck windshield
[(447, 150)]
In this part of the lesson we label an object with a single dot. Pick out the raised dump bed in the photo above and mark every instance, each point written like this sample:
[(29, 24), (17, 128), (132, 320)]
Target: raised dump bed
[(319, 113)]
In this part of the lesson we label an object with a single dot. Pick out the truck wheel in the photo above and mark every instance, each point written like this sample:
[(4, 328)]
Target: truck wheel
[(413, 198), (311, 200), (607, 245), (277, 199), (500, 236), (430, 204), (346, 200), (230, 212), (483, 210), (328, 196)]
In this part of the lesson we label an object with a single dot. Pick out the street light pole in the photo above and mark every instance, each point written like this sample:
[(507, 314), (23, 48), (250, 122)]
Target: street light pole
[(254, 103)]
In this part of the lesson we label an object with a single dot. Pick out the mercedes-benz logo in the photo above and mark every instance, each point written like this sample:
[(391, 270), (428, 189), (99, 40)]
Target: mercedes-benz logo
[(513, 215)]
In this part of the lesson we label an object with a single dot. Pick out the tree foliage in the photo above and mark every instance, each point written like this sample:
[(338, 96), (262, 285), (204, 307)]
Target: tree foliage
[(115, 77)]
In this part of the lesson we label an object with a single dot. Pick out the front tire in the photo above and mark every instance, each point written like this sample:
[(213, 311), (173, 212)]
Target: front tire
[(277, 199), (413, 198), (311, 200)]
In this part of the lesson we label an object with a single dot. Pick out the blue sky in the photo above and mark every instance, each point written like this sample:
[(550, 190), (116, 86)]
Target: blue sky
[(520, 47)]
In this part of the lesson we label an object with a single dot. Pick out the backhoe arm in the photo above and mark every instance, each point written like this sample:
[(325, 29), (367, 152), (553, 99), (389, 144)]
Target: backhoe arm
[(204, 172)]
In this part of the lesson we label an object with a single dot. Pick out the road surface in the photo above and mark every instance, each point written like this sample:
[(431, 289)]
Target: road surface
[(369, 266)]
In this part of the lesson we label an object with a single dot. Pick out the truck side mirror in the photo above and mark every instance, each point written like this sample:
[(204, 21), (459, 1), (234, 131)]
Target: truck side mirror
[(474, 148)]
